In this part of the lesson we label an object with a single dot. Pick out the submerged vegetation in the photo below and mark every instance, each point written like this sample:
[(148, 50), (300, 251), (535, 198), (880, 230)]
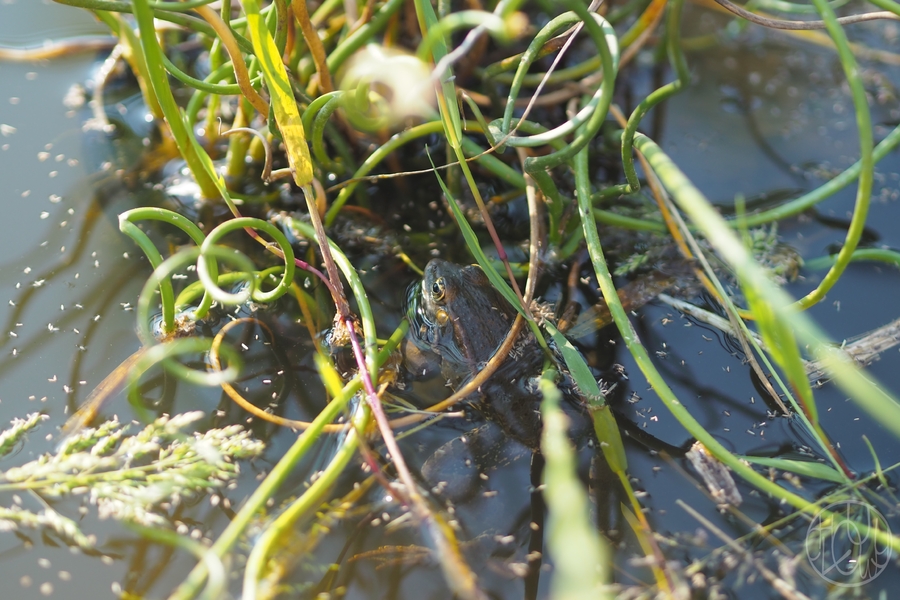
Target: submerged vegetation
[(285, 123)]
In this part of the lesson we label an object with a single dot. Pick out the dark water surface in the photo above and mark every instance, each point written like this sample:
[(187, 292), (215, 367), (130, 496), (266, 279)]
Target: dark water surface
[(765, 116)]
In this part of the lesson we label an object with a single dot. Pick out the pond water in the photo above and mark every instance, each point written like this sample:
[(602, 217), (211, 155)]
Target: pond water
[(766, 116)]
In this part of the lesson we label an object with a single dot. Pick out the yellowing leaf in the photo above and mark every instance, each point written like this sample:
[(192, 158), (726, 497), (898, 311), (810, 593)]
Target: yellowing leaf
[(287, 117)]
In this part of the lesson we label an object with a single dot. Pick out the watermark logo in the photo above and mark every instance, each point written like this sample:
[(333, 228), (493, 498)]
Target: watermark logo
[(844, 546)]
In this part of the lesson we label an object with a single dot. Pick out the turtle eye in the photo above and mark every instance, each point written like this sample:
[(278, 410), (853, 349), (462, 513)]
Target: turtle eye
[(437, 289)]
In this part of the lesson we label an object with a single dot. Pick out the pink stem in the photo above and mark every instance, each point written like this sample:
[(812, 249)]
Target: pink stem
[(380, 418)]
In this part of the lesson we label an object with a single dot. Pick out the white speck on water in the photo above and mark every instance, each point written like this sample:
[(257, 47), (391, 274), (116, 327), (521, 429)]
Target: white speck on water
[(44, 214)]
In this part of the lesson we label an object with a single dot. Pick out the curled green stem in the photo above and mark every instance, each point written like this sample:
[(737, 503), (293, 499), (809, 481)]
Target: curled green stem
[(676, 57), (594, 112), (866, 160), (127, 226)]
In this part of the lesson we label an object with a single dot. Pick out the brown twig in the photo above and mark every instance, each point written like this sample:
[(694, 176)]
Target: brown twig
[(802, 25), (267, 168), (237, 59), (57, 48), (316, 49), (535, 230)]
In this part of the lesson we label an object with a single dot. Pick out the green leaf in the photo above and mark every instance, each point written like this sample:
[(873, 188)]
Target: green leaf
[(581, 559), (815, 470), (287, 115), (604, 423)]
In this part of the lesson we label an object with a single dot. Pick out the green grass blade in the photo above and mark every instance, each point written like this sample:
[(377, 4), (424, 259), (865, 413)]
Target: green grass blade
[(581, 557), (800, 467), (863, 389), (604, 423)]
